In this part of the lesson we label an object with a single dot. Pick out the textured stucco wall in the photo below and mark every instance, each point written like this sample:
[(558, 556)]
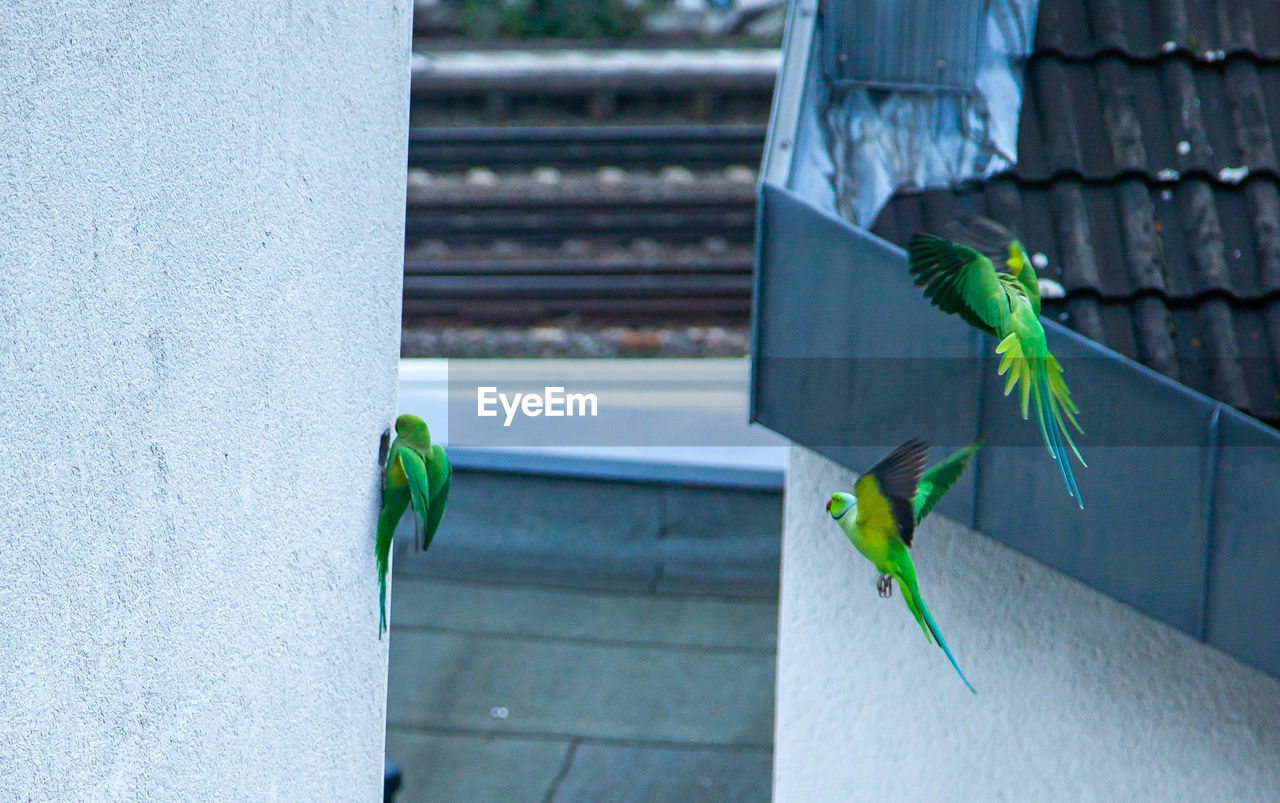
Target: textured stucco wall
[(1080, 697), (200, 256)]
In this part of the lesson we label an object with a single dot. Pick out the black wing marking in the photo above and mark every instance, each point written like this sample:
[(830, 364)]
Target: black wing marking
[(898, 475)]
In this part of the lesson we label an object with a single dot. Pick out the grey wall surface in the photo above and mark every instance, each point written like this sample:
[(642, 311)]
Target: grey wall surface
[(200, 267), (1079, 696)]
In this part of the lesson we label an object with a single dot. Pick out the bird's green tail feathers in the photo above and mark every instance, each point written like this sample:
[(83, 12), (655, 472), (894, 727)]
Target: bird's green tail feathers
[(912, 606), (911, 594), (394, 501), (1041, 380)]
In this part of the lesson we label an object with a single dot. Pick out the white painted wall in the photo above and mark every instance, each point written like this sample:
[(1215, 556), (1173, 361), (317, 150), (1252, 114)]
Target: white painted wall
[(201, 211), (1080, 697)]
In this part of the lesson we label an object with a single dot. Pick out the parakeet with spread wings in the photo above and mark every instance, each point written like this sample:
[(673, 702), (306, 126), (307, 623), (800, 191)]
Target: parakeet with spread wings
[(881, 515), (963, 280)]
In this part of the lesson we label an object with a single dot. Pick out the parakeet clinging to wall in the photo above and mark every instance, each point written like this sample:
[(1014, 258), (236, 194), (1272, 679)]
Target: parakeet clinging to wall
[(964, 281), (881, 515), (417, 472)]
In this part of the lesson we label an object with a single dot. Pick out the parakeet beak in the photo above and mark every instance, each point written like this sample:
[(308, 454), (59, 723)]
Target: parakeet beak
[(828, 505)]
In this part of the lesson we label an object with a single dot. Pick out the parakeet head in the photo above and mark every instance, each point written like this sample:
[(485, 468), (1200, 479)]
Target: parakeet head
[(409, 425), (1018, 258), (840, 504)]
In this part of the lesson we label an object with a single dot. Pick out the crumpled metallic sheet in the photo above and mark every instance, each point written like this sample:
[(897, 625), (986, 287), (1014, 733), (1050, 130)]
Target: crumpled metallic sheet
[(858, 145)]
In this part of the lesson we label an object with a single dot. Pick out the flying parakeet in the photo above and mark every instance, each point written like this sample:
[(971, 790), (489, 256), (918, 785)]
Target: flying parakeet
[(416, 472), (881, 515), (964, 281)]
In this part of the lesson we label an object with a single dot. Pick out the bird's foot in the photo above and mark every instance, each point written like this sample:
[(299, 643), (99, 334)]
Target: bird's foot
[(884, 586)]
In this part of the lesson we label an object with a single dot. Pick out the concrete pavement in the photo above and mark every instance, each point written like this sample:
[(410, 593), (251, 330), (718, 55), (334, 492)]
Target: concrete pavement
[(573, 639)]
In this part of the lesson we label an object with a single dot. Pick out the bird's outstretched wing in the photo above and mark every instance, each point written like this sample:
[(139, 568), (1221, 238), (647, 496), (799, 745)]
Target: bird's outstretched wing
[(960, 280), (885, 494), (938, 480), (984, 235), (1001, 246)]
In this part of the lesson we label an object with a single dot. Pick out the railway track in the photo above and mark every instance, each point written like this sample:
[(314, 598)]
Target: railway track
[(572, 87), (615, 222), (586, 146), (529, 212), (638, 282)]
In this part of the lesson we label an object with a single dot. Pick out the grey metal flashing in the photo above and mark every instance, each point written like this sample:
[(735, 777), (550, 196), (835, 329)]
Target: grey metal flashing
[(789, 91), (780, 140), (754, 378), (1244, 593), (1210, 472), (850, 359)]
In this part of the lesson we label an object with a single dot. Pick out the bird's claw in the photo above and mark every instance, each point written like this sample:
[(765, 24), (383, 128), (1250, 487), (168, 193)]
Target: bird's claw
[(884, 586), (384, 446)]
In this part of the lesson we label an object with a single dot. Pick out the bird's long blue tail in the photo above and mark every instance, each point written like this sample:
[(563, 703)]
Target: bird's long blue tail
[(382, 609), (937, 636), (1051, 427)]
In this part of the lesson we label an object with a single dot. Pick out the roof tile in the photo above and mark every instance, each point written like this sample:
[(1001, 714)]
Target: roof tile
[(1071, 214), (1235, 27), (1204, 236), (1119, 111), (1185, 116), (1107, 23), (1226, 370), (1149, 29), (1249, 115), (1153, 328), (1138, 223), (1264, 216)]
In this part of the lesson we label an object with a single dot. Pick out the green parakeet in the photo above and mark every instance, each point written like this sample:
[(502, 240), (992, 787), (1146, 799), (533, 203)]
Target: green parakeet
[(417, 472), (881, 515), (964, 281)]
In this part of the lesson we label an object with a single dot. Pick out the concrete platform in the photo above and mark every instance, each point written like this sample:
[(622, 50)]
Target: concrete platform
[(603, 534), (512, 692), (578, 639)]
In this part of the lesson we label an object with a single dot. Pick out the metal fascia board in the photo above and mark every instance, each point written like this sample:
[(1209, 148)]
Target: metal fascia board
[(788, 92)]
